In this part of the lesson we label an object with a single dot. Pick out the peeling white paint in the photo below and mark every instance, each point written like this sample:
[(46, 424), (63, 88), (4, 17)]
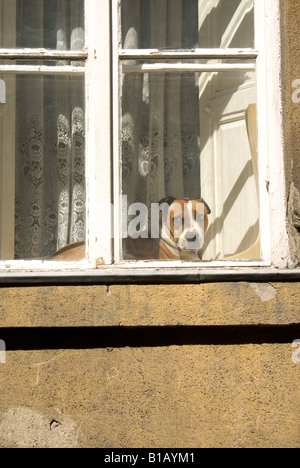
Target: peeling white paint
[(265, 291)]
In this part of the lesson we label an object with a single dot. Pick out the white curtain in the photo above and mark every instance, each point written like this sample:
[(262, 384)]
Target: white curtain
[(50, 135), (160, 113)]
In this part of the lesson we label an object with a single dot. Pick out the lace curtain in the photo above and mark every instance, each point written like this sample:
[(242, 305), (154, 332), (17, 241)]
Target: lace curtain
[(50, 137), (160, 112)]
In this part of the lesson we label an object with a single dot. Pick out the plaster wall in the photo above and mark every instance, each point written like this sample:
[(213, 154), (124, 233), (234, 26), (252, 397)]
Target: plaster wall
[(151, 366)]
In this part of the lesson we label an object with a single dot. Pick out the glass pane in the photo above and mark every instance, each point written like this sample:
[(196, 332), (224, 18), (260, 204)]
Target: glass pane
[(189, 136), (42, 155), (187, 24), (48, 24)]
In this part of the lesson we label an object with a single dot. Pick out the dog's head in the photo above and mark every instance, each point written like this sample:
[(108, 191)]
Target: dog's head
[(184, 222)]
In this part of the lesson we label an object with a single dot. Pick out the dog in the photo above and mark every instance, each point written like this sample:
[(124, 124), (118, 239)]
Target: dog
[(71, 252), (182, 226)]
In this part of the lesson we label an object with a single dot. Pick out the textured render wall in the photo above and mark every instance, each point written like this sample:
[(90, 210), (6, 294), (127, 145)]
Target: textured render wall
[(150, 366), (208, 365), (187, 305), (176, 396)]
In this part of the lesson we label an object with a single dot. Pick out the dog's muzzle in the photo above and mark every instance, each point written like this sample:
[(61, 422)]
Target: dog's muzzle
[(191, 240)]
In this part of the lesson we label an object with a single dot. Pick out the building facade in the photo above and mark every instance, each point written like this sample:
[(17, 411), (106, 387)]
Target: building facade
[(208, 361)]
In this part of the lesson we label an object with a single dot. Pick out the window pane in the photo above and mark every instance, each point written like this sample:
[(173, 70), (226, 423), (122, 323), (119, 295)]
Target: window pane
[(190, 136), (49, 24), (42, 164), (186, 24)]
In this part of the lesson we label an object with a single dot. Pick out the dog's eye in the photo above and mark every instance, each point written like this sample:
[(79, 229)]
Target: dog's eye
[(177, 221), (199, 217)]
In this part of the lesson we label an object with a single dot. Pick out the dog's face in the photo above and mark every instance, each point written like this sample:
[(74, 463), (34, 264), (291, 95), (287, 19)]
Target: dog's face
[(186, 223)]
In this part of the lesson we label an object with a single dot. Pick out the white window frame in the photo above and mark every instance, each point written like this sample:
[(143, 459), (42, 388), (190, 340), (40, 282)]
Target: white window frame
[(103, 56), (273, 232)]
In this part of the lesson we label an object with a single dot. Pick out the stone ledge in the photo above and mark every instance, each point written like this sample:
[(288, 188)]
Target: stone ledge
[(140, 305)]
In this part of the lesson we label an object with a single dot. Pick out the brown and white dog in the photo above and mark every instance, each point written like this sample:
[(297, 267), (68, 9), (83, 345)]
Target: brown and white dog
[(71, 252), (182, 226), (181, 232)]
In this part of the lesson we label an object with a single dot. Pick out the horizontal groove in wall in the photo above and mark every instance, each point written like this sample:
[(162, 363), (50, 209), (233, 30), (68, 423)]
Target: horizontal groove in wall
[(120, 337)]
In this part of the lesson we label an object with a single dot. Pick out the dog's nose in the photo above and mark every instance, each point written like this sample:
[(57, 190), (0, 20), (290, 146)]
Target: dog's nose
[(191, 236)]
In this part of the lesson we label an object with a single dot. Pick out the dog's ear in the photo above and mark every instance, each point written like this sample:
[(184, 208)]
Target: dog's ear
[(206, 205), (169, 200)]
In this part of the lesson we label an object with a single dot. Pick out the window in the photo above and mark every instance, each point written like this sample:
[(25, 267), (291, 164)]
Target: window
[(188, 122), (42, 127), (136, 123)]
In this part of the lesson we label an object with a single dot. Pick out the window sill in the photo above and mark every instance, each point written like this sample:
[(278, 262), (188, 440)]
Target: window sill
[(148, 275)]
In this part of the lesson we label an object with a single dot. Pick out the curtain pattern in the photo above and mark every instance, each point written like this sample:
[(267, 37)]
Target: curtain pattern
[(160, 113), (50, 135)]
